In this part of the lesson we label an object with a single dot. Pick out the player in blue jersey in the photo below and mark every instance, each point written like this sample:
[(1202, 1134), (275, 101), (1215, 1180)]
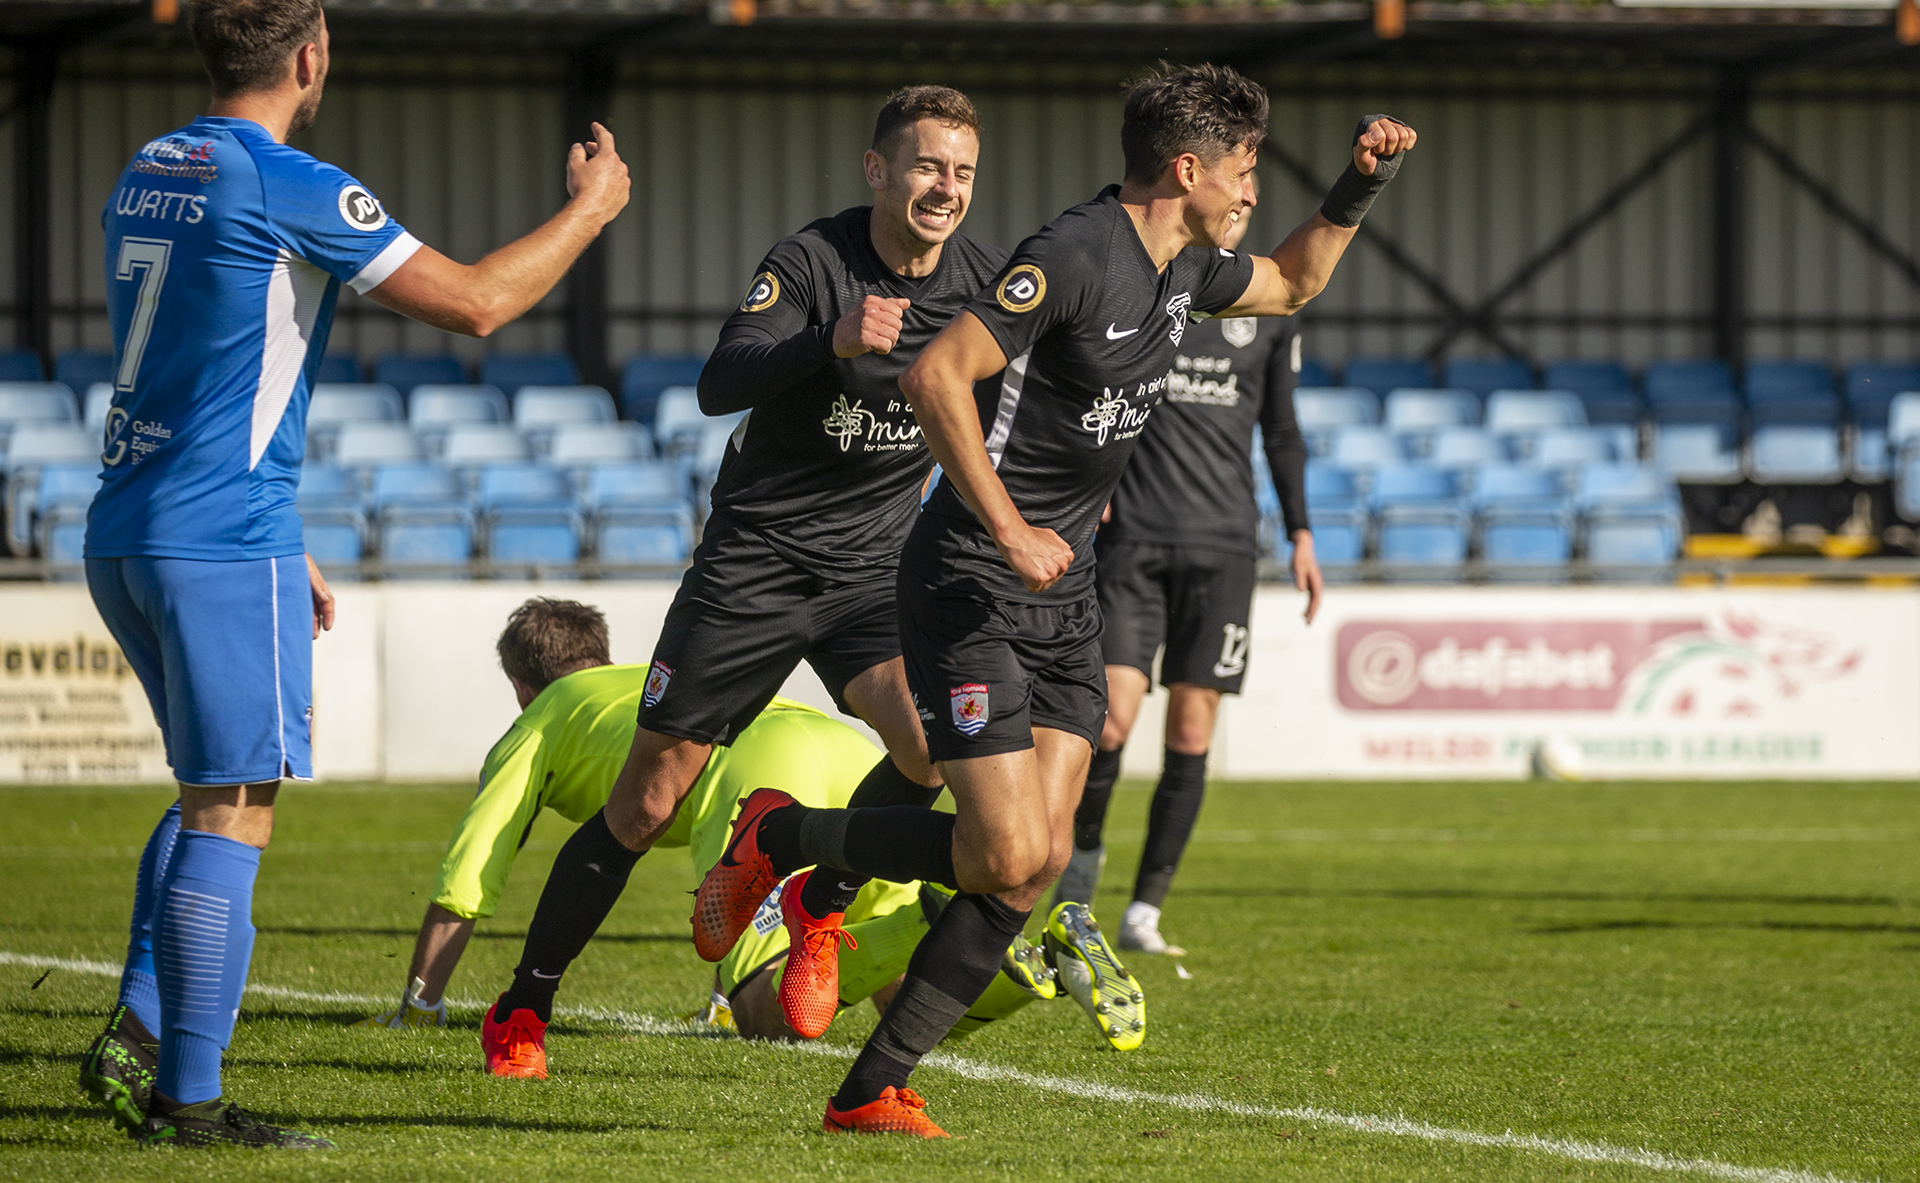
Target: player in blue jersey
[(225, 254)]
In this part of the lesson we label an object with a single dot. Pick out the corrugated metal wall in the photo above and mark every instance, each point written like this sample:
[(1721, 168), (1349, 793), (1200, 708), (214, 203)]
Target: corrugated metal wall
[(727, 157)]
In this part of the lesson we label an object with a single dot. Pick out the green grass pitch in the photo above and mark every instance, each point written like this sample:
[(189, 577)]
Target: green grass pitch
[(1726, 976)]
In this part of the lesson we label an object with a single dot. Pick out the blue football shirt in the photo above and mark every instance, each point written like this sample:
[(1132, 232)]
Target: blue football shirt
[(225, 255)]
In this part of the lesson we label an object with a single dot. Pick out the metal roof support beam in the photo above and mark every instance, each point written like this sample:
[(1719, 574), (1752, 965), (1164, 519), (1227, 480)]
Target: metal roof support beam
[(1486, 312), (1728, 227), (589, 98), (1885, 248)]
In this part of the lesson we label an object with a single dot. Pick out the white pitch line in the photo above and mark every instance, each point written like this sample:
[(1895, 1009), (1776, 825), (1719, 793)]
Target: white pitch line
[(1401, 1126)]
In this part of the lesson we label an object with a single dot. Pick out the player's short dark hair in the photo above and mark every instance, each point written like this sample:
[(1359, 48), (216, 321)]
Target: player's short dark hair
[(1206, 110), (545, 640), (909, 105), (245, 44)]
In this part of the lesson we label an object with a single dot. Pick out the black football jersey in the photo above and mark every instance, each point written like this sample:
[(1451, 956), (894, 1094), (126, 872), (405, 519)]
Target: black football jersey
[(1093, 329), (829, 464), (1190, 482)]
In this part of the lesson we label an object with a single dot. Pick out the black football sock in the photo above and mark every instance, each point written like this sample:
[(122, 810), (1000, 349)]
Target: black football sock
[(587, 878), (1176, 806), (883, 785), (949, 971), (899, 843), (1091, 817)]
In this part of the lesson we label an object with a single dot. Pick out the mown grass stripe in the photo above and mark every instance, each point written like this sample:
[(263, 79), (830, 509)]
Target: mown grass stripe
[(1400, 1126)]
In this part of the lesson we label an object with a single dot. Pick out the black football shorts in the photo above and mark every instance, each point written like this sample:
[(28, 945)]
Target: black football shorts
[(986, 671), (745, 618), (1194, 600)]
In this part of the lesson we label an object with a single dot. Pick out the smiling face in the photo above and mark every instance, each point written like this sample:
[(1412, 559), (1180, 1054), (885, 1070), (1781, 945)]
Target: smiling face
[(923, 183), (1220, 196)]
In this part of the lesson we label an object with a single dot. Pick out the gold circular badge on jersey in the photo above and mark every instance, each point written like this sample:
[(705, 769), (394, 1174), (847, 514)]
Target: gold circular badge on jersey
[(1023, 289), (764, 293)]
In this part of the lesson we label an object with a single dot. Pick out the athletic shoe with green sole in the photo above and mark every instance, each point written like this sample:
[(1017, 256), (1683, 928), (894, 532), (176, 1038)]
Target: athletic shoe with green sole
[(118, 1070), (1094, 976), (218, 1123)]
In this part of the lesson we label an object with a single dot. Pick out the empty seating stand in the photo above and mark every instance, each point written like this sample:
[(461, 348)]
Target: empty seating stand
[(648, 375), (1484, 375), (1384, 374), (512, 371)]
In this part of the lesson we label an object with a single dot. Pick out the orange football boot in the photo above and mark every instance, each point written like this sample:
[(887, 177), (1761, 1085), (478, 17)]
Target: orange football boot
[(810, 984), (898, 1111), (517, 1047), (739, 883)]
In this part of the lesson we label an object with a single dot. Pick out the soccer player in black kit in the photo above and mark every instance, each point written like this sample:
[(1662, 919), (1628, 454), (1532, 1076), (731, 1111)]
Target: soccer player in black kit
[(813, 501), (999, 622), (1176, 558)]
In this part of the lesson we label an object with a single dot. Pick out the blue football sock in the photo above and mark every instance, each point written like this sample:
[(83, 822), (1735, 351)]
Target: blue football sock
[(139, 992), (203, 940)]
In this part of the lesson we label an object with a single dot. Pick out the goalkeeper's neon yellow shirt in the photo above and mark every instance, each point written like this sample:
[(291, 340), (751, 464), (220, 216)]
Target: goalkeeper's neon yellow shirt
[(566, 748)]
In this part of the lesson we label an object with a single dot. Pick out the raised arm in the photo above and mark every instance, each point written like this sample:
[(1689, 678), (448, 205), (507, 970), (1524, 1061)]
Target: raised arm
[(939, 384), (1299, 268), (477, 299)]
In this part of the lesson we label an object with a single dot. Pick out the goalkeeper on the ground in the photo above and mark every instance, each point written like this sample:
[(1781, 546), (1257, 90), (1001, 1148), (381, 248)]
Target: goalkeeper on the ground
[(562, 753)]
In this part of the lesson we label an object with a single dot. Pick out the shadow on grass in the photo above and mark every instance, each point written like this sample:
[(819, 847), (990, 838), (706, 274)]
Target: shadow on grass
[(483, 1122), (1757, 925), (1582, 897), (616, 938)]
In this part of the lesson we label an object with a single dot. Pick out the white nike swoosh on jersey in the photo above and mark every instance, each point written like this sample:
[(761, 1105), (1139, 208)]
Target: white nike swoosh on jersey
[(1113, 336)]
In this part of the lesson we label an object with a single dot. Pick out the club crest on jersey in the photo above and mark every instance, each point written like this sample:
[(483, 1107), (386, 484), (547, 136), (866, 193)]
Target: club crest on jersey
[(1177, 309), (359, 209), (764, 293), (969, 708), (1022, 289), (1239, 330), (658, 675)]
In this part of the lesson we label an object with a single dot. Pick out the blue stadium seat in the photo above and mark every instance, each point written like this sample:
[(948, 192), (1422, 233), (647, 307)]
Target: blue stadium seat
[(435, 541), (677, 420), (414, 483), (1517, 484), (1313, 373), (1795, 454), (20, 365), (334, 405), (1704, 379), (365, 445), (1339, 518), (1576, 447), (81, 368), (529, 516), (1871, 386), (62, 539), (1322, 409), (647, 485), (96, 403), (328, 486), (32, 447), (539, 411), (63, 487), (437, 407), (1421, 521), (1588, 377), (339, 368), (1521, 415), (1484, 375), (1365, 447), (1788, 381), (36, 402), (1331, 487), (336, 538), (1427, 410), (1382, 374), (473, 446), (1807, 410), (1906, 484), (714, 440), (511, 371), (1700, 453), (1525, 523), (1631, 542), (1613, 486), (404, 371), (1903, 420), (1465, 447), (647, 375), (642, 537), (1868, 459), (577, 445)]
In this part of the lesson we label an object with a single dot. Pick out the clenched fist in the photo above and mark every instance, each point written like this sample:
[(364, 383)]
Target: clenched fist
[(871, 328), (1383, 137)]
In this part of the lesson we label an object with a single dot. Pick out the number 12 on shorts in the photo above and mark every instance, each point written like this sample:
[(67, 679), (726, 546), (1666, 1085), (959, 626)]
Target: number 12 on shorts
[(144, 259)]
